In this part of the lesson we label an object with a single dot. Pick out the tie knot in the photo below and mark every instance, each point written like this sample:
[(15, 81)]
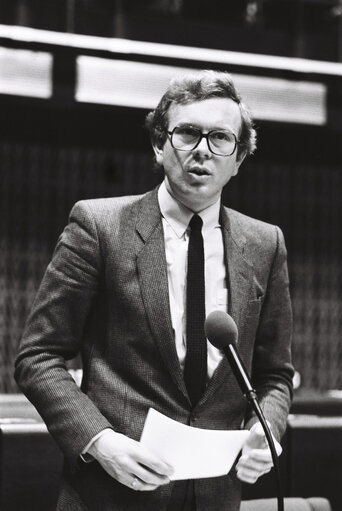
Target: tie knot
[(196, 223)]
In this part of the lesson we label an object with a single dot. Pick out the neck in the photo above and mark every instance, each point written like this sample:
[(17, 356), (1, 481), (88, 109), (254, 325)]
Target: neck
[(191, 205)]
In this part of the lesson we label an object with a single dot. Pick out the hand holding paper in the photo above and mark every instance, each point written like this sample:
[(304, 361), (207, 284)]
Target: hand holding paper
[(192, 452), (256, 459)]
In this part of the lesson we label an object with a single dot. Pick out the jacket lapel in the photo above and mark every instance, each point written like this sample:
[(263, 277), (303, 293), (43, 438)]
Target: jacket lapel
[(152, 274), (239, 282), (239, 271)]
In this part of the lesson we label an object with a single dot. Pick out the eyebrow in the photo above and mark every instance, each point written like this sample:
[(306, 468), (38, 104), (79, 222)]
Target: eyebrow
[(191, 125)]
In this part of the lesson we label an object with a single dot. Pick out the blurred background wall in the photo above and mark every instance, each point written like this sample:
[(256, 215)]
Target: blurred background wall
[(77, 78)]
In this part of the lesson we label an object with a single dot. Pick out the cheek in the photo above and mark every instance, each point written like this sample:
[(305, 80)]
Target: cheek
[(173, 162), (226, 173)]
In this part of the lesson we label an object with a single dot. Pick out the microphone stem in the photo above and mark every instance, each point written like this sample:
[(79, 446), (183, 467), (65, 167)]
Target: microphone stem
[(252, 399)]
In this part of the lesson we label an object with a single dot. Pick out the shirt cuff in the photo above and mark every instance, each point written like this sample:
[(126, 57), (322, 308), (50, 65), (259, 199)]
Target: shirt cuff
[(85, 456)]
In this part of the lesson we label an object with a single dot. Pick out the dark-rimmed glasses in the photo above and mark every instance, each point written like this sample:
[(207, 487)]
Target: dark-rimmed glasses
[(186, 138)]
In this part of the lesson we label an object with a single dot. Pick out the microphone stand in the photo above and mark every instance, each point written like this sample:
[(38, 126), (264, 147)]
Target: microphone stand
[(221, 331), (251, 397), (250, 394)]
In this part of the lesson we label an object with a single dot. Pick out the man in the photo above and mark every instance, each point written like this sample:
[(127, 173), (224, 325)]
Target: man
[(122, 291)]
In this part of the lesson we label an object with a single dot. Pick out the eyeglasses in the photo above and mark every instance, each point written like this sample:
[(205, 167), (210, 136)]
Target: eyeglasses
[(187, 138)]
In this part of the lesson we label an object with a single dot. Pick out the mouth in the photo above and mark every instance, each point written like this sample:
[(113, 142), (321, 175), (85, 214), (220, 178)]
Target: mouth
[(199, 171)]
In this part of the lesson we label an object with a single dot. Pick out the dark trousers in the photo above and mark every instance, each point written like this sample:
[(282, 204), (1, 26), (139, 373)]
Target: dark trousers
[(182, 497)]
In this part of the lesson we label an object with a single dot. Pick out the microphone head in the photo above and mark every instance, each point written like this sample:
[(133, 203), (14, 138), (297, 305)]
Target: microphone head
[(220, 329)]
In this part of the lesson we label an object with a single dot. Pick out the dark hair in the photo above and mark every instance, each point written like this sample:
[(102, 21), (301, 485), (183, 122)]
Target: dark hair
[(198, 87)]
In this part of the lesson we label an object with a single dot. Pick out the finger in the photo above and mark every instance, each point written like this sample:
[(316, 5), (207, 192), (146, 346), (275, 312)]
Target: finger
[(265, 454), (125, 468), (137, 484), (152, 463), (261, 455), (245, 478), (254, 464), (150, 477), (257, 471), (257, 439), (265, 449), (255, 468), (126, 452), (147, 487), (125, 474), (250, 475), (256, 442)]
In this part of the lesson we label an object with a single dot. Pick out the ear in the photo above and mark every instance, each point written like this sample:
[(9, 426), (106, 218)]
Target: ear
[(159, 154), (239, 159)]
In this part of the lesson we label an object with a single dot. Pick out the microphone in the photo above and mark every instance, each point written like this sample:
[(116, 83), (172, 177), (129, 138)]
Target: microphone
[(221, 330)]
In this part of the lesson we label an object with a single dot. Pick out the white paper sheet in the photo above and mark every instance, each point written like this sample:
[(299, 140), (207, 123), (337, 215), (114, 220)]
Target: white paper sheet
[(192, 452)]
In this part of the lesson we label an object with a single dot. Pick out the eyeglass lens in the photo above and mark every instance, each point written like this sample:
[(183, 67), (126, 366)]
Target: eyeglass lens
[(186, 138)]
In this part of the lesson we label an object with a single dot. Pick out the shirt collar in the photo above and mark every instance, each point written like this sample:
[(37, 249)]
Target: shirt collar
[(178, 216)]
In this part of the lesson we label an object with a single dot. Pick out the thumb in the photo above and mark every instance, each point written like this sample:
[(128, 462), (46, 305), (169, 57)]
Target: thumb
[(257, 438)]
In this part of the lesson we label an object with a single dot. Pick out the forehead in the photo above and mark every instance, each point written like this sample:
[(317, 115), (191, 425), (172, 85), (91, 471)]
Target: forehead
[(207, 114)]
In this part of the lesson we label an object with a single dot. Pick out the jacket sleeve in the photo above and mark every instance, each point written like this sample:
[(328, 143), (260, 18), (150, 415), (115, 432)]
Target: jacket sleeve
[(272, 370), (54, 332)]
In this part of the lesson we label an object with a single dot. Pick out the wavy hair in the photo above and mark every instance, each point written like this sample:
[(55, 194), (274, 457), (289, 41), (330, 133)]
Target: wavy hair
[(199, 86)]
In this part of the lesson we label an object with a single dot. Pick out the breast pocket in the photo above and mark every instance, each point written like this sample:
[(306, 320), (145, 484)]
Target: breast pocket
[(254, 307)]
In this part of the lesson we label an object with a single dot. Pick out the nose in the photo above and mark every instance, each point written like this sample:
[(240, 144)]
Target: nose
[(203, 147)]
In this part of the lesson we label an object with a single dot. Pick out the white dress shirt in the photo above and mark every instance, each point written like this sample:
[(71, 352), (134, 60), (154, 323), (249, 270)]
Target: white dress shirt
[(176, 218)]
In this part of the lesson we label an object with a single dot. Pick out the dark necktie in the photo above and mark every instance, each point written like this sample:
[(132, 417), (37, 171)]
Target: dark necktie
[(195, 370)]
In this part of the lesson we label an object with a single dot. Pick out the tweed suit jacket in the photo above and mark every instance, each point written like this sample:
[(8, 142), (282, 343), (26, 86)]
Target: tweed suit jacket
[(105, 296)]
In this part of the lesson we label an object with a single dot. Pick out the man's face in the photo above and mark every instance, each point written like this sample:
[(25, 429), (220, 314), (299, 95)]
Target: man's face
[(196, 177)]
